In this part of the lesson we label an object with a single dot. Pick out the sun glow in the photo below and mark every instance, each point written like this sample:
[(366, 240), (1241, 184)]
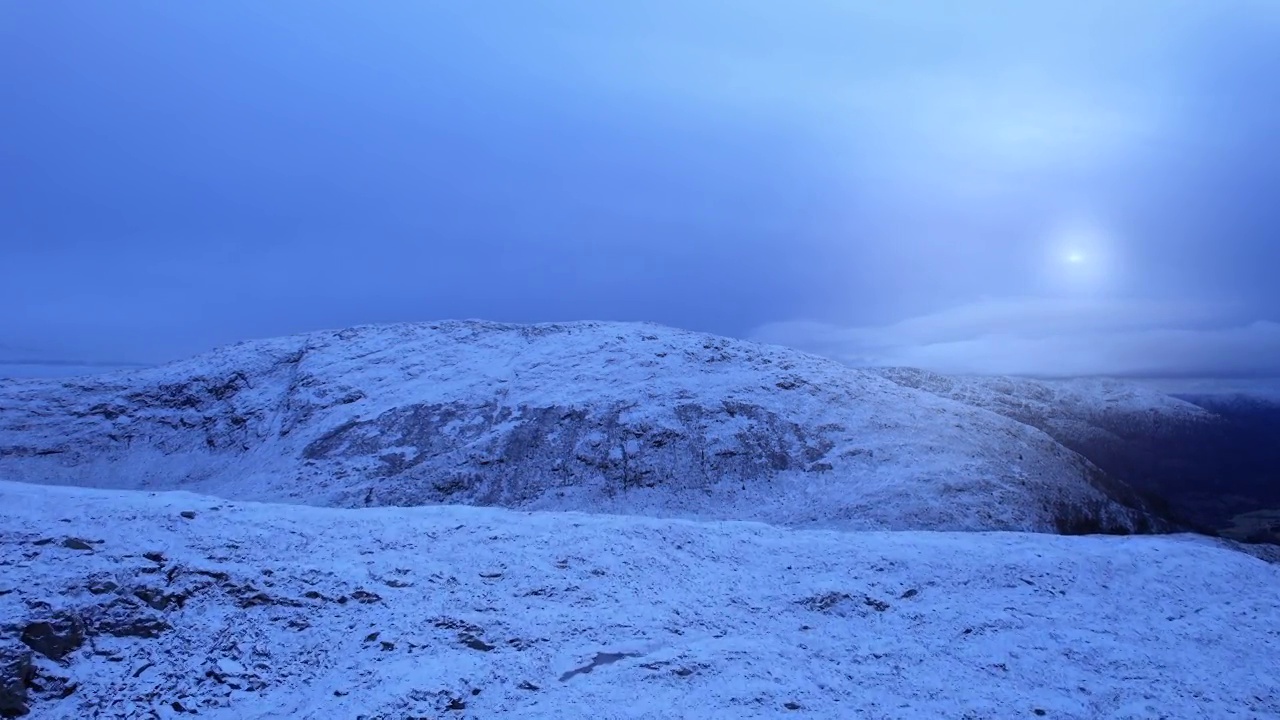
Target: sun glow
[(1083, 258)]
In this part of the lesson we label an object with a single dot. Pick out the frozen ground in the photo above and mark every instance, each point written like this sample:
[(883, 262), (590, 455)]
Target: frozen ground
[(172, 604)]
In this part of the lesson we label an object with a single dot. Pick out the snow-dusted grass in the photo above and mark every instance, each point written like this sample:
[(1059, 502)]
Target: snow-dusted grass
[(487, 612)]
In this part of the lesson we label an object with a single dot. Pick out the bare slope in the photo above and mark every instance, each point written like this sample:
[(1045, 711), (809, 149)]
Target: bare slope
[(169, 604), (587, 416)]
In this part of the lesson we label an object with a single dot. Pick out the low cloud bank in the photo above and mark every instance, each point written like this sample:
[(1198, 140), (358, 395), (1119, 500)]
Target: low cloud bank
[(1047, 337)]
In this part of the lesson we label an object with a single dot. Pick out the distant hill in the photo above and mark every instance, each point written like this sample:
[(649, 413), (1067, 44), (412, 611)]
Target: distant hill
[(20, 363)]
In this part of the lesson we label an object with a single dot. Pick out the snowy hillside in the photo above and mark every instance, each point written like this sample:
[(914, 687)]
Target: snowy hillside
[(1077, 407), (633, 419), (1213, 457), (117, 604)]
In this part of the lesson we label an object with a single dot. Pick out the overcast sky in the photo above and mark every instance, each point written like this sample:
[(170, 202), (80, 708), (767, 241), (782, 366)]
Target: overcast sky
[(1054, 187)]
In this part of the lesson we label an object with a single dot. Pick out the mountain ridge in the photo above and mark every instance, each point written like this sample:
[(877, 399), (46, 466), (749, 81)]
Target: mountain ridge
[(602, 417)]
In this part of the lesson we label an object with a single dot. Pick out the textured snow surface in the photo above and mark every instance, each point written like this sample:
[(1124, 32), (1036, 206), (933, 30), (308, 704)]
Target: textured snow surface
[(265, 611), (597, 417)]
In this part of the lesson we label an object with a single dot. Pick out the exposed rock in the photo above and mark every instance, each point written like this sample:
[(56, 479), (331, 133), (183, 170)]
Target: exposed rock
[(102, 586), (248, 595), (16, 674), (56, 637), (158, 599), (51, 686), (874, 604), (824, 602), (449, 623), (839, 603), (474, 642), (139, 627)]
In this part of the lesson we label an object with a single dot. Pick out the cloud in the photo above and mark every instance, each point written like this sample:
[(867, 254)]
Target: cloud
[(1051, 337)]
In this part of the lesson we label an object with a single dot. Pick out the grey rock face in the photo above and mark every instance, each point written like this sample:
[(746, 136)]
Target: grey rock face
[(509, 456)]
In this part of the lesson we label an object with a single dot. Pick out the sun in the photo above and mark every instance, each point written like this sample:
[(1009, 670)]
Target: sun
[(1080, 257)]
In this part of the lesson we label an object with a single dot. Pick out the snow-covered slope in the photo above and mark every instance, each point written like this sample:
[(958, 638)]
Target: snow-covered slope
[(165, 605), (588, 416), (1076, 407), (1208, 457)]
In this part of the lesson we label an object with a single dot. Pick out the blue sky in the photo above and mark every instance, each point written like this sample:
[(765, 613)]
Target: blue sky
[(175, 176)]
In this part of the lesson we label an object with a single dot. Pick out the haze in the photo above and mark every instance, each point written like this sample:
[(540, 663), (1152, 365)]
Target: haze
[(1049, 188)]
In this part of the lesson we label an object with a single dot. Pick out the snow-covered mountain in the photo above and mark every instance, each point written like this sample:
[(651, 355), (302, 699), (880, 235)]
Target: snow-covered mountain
[(119, 604), (624, 418)]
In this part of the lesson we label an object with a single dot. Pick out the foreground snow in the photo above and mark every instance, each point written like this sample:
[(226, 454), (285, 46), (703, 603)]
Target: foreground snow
[(287, 611)]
